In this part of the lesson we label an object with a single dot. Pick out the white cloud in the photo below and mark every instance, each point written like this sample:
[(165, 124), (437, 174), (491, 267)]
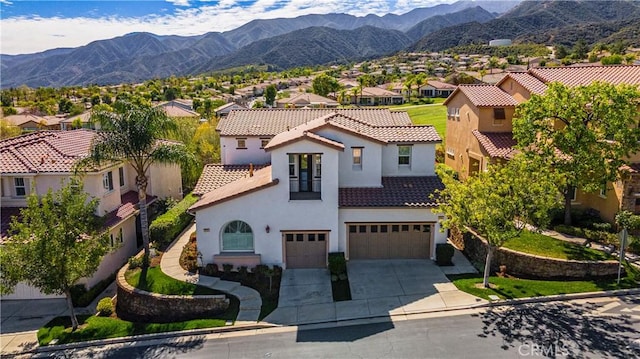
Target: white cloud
[(27, 35)]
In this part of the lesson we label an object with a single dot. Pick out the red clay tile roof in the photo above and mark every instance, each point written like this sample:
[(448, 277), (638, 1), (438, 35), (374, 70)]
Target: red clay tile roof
[(44, 151), (270, 122), (177, 111), (307, 98), (261, 179), (128, 208), (584, 75), (24, 118), (484, 96), (441, 85), (497, 144), (395, 192), (382, 134), (529, 82), (217, 175)]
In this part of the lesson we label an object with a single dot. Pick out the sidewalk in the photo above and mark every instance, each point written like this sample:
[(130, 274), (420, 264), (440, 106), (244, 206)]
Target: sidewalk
[(250, 301)]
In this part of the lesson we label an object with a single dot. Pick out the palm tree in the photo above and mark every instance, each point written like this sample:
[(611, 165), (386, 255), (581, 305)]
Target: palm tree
[(133, 133)]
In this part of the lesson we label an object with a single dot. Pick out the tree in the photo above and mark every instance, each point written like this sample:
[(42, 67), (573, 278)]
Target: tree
[(493, 63), (133, 133), (583, 133), (324, 84), (57, 241), (561, 52), (8, 129), (580, 49), (65, 105), (498, 203), (270, 94)]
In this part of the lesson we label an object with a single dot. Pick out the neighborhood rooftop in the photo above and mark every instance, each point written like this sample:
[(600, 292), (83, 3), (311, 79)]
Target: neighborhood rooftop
[(270, 122), (216, 175), (395, 192), (484, 96), (584, 75), (497, 144), (45, 151)]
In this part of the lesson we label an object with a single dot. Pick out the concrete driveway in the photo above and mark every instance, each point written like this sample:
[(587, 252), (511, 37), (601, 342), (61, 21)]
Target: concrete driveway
[(378, 288)]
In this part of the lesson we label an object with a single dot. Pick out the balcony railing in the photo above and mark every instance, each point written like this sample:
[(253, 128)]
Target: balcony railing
[(298, 192)]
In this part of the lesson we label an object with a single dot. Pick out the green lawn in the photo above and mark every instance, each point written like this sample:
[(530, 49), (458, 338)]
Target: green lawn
[(538, 244), (92, 328), (509, 288), (157, 282), (435, 115)]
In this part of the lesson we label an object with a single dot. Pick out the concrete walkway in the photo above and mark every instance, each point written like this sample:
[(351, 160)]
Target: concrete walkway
[(250, 301), (379, 288)]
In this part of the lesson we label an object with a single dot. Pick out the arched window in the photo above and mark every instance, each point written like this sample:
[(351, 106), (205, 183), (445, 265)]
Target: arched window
[(237, 236)]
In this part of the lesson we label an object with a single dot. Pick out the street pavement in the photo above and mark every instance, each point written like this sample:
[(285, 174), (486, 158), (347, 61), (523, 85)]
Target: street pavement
[(554, 329)]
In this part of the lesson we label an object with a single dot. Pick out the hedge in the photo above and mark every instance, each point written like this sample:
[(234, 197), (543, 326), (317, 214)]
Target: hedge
[(166, 227)]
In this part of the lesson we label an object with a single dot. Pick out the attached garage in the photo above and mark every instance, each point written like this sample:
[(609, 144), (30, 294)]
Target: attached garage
[(305, 249), (389, 240)]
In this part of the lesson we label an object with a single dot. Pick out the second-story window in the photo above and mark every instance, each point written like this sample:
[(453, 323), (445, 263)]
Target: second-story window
[(107, 181), (357, 158), (292, 165), (498, 116), (404, 155), (318, 163), (121, 175), (20, 186), (242, 143)]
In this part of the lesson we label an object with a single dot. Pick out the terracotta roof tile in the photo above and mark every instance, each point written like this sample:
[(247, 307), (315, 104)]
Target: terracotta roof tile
[(307, 98), (21, 119), (441, 85), (584, 75), (485, 96), (395, 192), (217, 175), (529, 82), (177, 111), (127, 208), (270, 122), (497, 144), (261, 179), (44, 151)]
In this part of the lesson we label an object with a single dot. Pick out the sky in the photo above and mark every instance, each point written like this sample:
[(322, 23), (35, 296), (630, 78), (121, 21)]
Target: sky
[(34, 26)]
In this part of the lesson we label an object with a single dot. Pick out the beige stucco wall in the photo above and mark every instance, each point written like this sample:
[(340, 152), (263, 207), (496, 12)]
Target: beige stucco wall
[(516, 90), (165, 181)]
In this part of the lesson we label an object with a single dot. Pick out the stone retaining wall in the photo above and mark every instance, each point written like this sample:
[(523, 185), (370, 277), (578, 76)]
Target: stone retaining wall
[(531, 266), (138, 305)]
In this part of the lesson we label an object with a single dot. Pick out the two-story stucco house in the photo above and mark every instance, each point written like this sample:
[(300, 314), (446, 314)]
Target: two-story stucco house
[(37, 162), (479, 127), (296, 184)]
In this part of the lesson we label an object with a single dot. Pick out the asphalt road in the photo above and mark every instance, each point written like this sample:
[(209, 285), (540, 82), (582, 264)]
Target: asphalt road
[(598, 329)]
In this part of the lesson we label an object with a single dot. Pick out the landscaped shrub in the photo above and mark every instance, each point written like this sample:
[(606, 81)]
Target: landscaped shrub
[(337, 263), (105, 307), (227, 268), (137, 261), (81, 297), (444, 254), (211, 269), (165, 228), (590, 234), (189, 257)]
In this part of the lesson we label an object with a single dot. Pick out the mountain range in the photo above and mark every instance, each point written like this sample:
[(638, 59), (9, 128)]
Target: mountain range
[(316, 39)]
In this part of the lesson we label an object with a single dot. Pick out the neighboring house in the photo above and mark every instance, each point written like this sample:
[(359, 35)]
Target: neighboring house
[(40, 161), (178, 108), (375, 96), (436, 89), (226, 108), (83, 118), (479, 127), (357, 181), (28, 122), (306, 99)]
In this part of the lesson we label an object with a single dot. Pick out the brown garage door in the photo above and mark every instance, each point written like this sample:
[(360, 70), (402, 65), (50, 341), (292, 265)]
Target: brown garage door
[(306, 250), (389, 240)]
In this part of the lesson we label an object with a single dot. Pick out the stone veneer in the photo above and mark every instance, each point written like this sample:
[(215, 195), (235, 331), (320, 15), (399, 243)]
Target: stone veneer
[(531, 266), (138, 305)]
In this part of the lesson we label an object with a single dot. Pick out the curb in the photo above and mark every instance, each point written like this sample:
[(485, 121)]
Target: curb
[(145, 337), (205, 331)]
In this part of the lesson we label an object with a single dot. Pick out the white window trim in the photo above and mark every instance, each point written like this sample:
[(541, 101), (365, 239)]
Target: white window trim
[(405, 165), (244, 141), (107, 183), (356, 165), (262, 143), (121, 177), (222, 233), (23, 186)]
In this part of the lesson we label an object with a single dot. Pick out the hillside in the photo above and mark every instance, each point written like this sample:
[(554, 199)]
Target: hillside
[(530, 17), (312, 46), (474, 14)]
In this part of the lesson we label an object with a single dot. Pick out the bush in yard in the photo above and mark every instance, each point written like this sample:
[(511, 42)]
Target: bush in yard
[(82, 297), (165, 228), (105, 307), (337, 263), (444, 254), (189, 257), (137, 262), (211, 269)]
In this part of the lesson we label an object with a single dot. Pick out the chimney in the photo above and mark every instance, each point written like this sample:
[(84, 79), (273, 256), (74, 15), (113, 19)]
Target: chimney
[(250, 169)]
